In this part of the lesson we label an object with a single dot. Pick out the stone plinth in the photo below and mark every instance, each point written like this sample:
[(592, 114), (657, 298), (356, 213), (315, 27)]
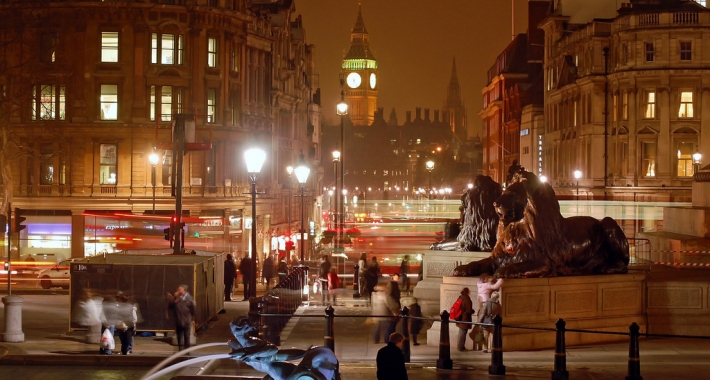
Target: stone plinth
[(677, 301), (437, 265), (13, 319), (603, 302)]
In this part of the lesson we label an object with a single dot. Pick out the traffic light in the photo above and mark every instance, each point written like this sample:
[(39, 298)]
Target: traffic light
[(19, 220), (166, 233)]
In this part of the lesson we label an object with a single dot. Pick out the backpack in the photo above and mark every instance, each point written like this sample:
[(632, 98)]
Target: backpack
[(455, 311)]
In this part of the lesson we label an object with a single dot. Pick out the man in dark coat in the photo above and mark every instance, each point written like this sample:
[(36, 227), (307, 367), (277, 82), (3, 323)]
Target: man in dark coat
[(245, 266), (390, 360), (415, 325), (404, 271), (182, 306), (230, 274), (268, 271)]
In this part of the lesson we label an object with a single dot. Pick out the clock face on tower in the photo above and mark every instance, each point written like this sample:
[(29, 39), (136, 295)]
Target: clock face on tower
[(373, 81), (354, 80)]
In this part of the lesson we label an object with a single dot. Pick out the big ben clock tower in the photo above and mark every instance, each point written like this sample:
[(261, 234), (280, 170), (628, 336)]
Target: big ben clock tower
[(360, 73)]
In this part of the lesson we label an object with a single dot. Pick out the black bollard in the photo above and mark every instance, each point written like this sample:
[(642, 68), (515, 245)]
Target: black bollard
[(263, 331), (634, 359), (404, 330), (356, 278), (444, 361), (497, 367), (329, 338), (560, 372)]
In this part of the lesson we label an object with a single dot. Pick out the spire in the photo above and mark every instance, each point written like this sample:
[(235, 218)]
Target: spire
[(453, 95), (359, 40)]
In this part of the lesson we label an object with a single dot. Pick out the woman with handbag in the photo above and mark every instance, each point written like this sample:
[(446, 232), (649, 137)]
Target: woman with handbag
[(490, 309), (466, 316)]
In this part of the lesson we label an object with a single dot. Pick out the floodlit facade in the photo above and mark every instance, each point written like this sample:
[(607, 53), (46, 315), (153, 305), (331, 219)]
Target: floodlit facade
[(89, 90)]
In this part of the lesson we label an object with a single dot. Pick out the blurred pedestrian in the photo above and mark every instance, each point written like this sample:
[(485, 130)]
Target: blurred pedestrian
[(390, 359), (362, 268), (182, 306), (267, 271), (415, 324), (372, 275), (88, 313), (230, 274), (333, 284), (109, 317), (404, 271), (323, 271), (466, 313), (126, 325), (245, 267), (490, 309)]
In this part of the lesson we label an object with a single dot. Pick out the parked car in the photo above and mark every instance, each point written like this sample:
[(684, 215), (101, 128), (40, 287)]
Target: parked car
[(56, 276)]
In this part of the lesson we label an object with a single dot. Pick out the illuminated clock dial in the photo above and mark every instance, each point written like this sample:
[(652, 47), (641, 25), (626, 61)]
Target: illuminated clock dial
[(373, 81), (354, 80)]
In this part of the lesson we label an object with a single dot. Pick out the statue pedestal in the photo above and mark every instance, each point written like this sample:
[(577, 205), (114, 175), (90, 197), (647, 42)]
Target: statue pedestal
[(601, 302), (437, 265)]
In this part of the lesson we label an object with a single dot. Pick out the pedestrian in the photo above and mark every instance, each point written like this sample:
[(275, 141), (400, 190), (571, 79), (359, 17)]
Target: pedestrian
[(109, 317), (372, 275), (394, 305), (282, 269), (88, 313), (267, 271), (126, 325), (415, 324), (404, 271), (182, 306), (294, 261), (486, 285), (490, 309), (323, 271), (362, 268), (333, 284), (466, 314), (245, 267), (390, 359), (230, 274)]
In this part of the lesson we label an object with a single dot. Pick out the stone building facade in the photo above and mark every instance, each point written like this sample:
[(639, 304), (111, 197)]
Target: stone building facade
[(89, 90), (627, 97)]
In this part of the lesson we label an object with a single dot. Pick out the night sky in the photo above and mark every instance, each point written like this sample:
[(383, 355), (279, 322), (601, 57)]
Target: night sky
[(414, 42)]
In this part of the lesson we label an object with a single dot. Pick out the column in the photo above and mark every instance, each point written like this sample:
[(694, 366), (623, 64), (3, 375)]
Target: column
[(664, 158), (77, 233)]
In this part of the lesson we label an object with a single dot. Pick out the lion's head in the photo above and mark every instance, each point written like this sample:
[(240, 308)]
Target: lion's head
[(510, 206), (480, 221)]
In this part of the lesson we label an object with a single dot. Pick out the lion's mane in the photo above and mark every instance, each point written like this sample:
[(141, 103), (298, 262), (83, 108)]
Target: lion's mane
[(480, 220)]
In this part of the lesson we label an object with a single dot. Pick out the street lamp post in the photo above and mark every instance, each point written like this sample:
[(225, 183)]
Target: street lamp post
[(341, 109), (255, 160), (697, 157), (302, 172), (289, 170), (336, 159), (430, 167), (153, 158), (577, 176), (330, 207)]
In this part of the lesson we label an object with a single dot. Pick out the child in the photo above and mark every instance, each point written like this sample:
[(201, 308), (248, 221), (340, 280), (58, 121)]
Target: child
[(333, 283)]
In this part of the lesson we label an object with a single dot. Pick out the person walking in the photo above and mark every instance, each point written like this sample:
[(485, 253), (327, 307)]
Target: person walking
[(182, 306), (390, 359), (372, 275), (333, 284), (126, 325), (393, 302), (245, 267), (230, 274), (404, 271), (323, 271), (466, 316), (490, 309), (267, 271), (415, 325), (109, 317), (362, 269)]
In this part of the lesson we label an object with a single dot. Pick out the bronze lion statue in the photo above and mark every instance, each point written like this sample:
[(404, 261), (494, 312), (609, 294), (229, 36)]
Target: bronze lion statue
[(535, 240), (479, 219)]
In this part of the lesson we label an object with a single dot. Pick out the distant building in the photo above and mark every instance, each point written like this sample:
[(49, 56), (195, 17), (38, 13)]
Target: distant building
[(455, 108), (359, 72)]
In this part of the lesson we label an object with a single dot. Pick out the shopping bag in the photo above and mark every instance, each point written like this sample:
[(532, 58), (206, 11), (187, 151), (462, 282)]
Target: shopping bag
[(107, 341)]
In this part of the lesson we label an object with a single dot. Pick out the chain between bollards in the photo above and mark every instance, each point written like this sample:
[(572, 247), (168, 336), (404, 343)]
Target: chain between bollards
[(329, 338), (404, 329), (634, 358), (497, 367), (560, 372), (444, 361)]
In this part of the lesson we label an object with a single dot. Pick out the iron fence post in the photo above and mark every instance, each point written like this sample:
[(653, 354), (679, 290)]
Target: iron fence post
[(634, 359), (329, 338), (404, 329), (560, 372), (444, 361), (497, 367), (263, 331)]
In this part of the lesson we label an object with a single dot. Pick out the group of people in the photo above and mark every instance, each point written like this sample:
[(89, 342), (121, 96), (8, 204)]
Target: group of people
[(109, 315), (270, 269), (328, 280), (488, 307)]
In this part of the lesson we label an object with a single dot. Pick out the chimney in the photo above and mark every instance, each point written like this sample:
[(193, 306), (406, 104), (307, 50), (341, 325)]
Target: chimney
[(426, 115), (419, 114), (409, 117), (436, 116)]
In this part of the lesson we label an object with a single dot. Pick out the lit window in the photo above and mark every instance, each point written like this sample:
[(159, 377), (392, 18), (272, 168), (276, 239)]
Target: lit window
[(166, 103), (166, 49), (419, 141), (650, 109), (686, 52), (109, 102), (235, 57), (649, 51), (648, 159), (686, 104), (46, 171), (109, 46), (615, 107), (211, 105), (48, 102), (212, 52), (685, 159), (107, 168)]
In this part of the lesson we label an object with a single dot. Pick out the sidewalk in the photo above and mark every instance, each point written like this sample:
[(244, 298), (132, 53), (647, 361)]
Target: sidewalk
[(45, 324)]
